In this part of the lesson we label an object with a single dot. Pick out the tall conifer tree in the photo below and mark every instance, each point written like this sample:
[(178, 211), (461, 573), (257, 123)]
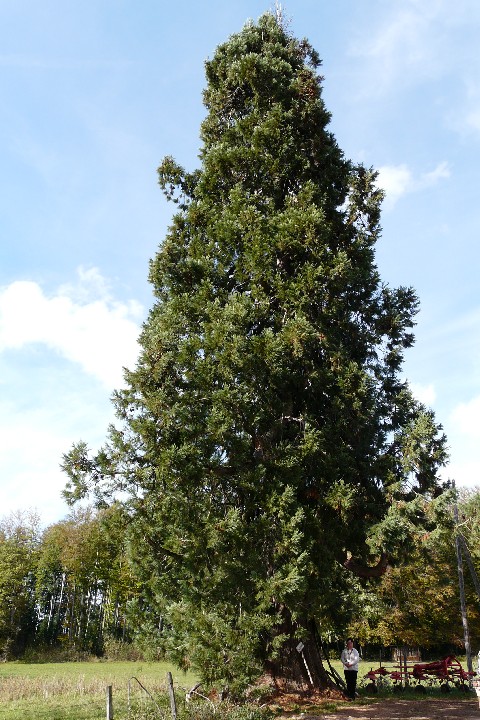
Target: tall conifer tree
[(268, 446)]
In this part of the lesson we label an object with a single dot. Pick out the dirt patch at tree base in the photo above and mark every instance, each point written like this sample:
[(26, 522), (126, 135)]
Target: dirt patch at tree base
[(331, 705), (410, 710), (290, 702), (465, 709)]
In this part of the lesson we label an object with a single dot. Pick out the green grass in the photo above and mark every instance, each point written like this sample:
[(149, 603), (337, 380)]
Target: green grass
[(64, 691), (77, 691)]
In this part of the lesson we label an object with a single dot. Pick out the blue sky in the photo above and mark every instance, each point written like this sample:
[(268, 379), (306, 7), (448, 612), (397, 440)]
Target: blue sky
[(95, 93)]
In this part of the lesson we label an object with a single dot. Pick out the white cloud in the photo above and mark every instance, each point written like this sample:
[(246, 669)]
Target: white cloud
[(424, 393), (431, 46), (395, 181), (463, 433), (37, 427), (401, 47), (441, 172), (466, 418), (398, 180), (465, 473), (414, 41), (97, 333), (472, 119), (34, 443), (90, 283), (51, 399)]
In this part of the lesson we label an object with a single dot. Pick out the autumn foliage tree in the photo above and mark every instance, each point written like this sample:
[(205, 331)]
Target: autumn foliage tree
[(267, 446), (83, 583), (19, 541)]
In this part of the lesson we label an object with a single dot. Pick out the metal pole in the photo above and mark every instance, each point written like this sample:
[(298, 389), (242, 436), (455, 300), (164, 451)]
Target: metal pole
[(299, 649), (467, 556), (307, 668), (461, 585)]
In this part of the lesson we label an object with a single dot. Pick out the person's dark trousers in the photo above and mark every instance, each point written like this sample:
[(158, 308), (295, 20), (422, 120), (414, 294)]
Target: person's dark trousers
[(351, 680)]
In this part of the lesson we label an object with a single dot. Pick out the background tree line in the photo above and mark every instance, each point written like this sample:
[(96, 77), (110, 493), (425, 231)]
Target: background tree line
[(71, 587), (67, 586)]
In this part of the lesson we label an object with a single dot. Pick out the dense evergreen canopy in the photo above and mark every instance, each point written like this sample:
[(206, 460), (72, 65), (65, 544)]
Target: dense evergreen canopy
[(268, 446)]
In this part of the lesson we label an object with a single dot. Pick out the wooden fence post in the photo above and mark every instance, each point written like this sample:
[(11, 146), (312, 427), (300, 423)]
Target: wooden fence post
[(109, 703), (171, 692)]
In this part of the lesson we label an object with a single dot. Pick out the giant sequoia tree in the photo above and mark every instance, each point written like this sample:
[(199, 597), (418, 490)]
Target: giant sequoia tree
[(267, 446)]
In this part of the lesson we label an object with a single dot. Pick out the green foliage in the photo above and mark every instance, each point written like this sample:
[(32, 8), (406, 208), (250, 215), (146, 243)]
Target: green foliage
[(266, 437), (417, 601), (83, 581), (19, 537), (222, 637)]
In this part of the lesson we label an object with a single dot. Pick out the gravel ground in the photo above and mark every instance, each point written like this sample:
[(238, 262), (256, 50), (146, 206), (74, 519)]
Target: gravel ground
[(441, 709)]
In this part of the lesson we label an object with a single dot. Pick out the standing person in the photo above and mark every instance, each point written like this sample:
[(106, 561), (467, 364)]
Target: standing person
[(350, 659)]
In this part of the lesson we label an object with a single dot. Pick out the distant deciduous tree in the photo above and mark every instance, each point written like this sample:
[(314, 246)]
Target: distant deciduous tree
[(19, 538), (417, 603), (83, 581)]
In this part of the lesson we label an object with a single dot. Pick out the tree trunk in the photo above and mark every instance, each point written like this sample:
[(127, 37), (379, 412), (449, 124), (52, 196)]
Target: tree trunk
[(300, 661)]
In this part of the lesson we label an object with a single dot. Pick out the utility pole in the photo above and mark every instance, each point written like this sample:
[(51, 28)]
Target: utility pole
[(461, 585), (467, 556)]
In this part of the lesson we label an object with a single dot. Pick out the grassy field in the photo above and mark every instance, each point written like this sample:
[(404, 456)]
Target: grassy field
[(77, 691)]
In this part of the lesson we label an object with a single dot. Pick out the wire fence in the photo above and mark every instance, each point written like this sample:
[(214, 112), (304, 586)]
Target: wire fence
[(54, 700)]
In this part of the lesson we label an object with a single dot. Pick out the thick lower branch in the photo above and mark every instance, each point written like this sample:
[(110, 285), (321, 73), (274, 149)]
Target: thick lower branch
[(359, 568)]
